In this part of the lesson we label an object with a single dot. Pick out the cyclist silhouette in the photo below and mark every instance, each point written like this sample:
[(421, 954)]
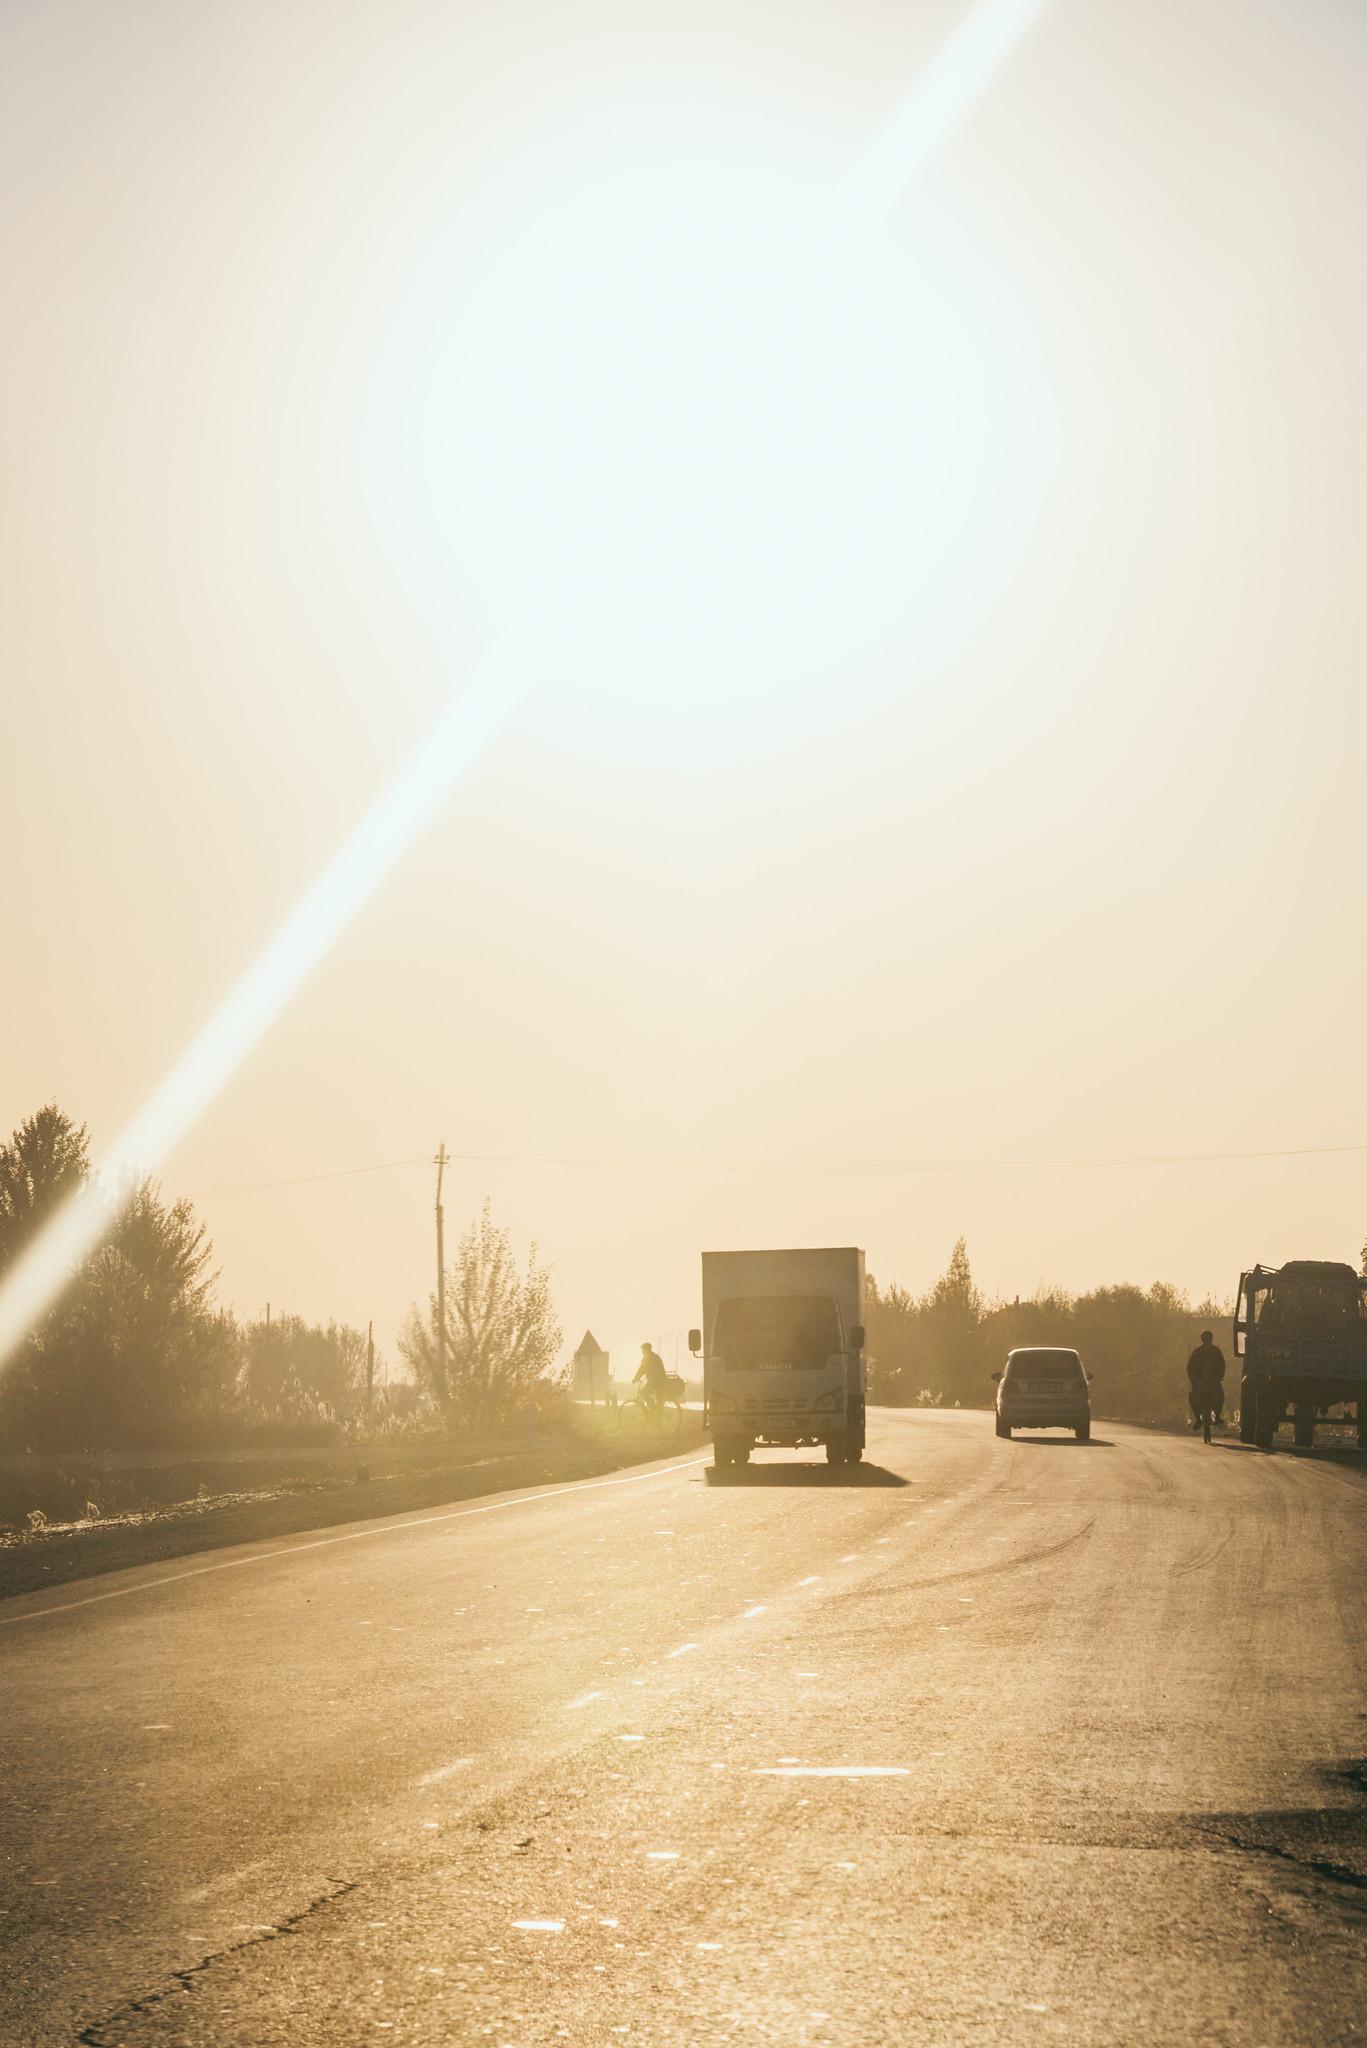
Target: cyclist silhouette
[(651, 1375), (1206, 1379)]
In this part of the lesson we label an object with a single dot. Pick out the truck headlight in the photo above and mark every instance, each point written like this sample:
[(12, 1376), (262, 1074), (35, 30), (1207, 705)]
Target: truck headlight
[(827, 1403)]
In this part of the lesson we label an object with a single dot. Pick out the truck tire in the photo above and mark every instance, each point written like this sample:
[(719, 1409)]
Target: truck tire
[(855, 1454), (1003, 1428), (1362, 1425), (836, 1452), (1247, 1403), (1303, 1426), (723, 1453), (1083, 1432)]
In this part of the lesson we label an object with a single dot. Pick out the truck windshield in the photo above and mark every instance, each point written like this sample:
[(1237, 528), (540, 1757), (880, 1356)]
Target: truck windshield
[(776, 1331), (1299, 1299)]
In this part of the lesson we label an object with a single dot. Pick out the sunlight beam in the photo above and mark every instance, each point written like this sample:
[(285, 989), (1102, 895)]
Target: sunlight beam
[(256, 1000), (946, 91)]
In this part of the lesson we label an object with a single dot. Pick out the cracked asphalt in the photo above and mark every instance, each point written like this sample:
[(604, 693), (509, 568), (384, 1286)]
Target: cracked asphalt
[(987, 1742)]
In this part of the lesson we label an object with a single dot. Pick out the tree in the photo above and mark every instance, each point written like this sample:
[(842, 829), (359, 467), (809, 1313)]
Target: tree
[(502, 1335), (297, 1371), (896, 1350), (952, 1319), (46, 1159), (133, 1349)]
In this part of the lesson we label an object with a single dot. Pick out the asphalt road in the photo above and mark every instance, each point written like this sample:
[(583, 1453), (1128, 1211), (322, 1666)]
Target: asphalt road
[(987, 1742)]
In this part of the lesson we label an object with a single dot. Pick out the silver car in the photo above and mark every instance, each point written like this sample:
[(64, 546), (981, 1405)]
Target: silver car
[(1043, 1387)]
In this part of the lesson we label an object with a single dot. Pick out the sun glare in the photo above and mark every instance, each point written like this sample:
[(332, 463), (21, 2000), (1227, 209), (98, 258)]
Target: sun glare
[(702, 430)]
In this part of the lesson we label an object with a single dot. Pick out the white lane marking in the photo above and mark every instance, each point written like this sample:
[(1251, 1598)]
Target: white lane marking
[(709, 1944), (681, 1650), (751, 1612), (805, 1674), (662, 1855), (832, 1771), (585, 1699), (444, 1771), (229, 1564), (853, 1558), (631, 1738), (814, 1580), (541, 1926)]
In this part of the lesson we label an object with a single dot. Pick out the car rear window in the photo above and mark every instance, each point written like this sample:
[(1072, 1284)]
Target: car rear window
[(1045, 1365)]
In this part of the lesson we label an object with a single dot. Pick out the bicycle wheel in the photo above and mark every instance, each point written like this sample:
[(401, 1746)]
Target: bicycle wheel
[(671, 1418)]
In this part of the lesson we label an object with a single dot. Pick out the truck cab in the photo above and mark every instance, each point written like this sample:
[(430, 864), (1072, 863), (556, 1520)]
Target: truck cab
[(782, 1344), (1301, 1333)]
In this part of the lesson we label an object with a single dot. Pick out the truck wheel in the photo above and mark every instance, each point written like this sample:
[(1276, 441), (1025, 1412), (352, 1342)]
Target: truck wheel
[(1362, 1425), (1003, 1428), (722, 1453), (1083, 1432), (855, 1454), (835, 1450), (740, 1453), (1303, 1426), (1247, 1403)]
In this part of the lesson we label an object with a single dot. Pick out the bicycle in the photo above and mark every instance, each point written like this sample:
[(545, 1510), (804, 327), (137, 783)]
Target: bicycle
[(658, 1418), (1207, 1412)]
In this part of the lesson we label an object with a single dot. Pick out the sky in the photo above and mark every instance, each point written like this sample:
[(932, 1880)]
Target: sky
[(947, 768)]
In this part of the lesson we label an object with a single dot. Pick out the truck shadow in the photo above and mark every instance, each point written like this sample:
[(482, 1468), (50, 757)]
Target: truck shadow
[(1346, 1455), (807, 1474)]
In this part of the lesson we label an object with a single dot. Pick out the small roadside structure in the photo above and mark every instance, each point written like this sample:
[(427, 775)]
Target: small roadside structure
[(589, 1371)]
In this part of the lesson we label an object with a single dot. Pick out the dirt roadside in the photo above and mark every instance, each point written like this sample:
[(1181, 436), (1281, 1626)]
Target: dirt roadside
[(36, 1559)]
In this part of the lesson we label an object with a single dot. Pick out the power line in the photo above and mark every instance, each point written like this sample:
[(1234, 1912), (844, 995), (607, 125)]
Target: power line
[(305, 1180), (790, 1166)]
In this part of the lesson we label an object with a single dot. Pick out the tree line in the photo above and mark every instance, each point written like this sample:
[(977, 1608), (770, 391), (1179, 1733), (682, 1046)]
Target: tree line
[(942, 1347), (137, 1353)]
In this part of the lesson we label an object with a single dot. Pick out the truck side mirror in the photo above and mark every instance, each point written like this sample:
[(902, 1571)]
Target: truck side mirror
[(695, 1341), (857, 1337)]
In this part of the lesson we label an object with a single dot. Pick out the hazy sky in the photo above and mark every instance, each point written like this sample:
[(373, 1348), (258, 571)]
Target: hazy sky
[(1066, 861)]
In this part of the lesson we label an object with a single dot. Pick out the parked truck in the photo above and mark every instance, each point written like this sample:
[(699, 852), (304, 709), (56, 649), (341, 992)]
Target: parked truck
[(782, 1345), (1301, 1332)]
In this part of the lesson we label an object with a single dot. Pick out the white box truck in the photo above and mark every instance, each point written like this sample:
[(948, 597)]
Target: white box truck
[(782, 1344)]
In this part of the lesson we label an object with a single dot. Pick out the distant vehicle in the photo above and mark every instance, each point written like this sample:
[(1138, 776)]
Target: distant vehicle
[(1301, 1331), (1043, 1387), (782, 1347)]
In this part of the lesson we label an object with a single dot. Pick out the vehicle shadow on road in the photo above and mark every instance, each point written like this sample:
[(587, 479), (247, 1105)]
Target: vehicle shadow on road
[(1064, 1443), (802, 1475)]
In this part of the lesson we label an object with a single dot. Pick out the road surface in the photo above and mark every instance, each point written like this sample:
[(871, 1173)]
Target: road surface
[(986, 1742)]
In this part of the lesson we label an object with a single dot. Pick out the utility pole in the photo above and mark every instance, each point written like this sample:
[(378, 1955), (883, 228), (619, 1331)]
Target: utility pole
[(441, 1163)]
